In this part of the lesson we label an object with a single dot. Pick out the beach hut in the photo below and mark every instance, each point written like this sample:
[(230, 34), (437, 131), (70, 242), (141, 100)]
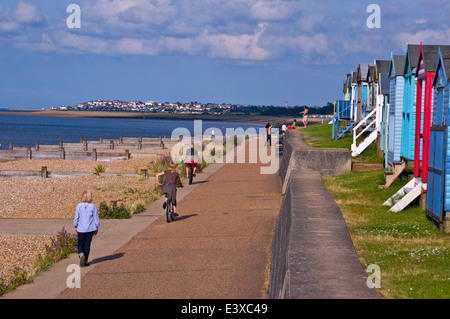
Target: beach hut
[(347, 87), (425, 71), (367, 130), (395, 109), (343, 110), (384, 89), (362, 78), (381, 92), (438, 187), (426, 67), (409, 103), (365, 117), (354, 85)]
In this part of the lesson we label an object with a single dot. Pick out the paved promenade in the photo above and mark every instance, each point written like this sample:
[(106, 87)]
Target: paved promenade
[(219, 246)]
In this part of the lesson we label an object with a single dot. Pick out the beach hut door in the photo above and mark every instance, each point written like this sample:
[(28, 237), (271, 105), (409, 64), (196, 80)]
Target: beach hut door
[(436, 165)]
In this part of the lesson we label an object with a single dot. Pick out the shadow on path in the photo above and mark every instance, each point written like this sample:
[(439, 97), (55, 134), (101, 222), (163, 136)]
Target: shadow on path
[(105, 258)]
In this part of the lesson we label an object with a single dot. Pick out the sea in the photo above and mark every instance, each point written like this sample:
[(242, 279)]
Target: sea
[(26, 130)]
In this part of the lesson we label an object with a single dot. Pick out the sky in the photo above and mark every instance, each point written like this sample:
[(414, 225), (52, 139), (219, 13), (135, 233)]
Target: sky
[(259, 52)]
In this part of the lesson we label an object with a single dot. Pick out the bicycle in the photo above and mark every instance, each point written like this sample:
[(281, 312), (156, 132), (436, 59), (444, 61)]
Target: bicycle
[(169, 211)]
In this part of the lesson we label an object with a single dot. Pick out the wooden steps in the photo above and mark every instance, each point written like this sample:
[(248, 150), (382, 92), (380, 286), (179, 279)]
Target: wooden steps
[(398, 168), (405, 195)]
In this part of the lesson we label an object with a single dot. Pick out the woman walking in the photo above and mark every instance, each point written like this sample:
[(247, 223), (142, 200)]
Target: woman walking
[(86, 223)]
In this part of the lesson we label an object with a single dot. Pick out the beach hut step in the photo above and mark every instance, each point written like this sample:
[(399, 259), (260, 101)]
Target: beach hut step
[(404, 196), (408, 189)]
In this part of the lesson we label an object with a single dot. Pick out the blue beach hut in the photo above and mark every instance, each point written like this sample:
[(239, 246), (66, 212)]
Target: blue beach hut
[(438, 186), (344, 109), (354, 88), (395, 108), (409, 102), (362, 96), (381, 93), (384, 90)]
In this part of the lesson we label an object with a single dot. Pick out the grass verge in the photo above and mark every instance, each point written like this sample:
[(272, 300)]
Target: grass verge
[(412, 254)]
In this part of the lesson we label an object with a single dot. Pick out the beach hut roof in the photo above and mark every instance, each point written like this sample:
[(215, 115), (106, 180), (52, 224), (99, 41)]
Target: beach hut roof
[(430, 56), (445, 60), (349, 80), (412, 56), (363, 71), (397, 65), (382, 66)]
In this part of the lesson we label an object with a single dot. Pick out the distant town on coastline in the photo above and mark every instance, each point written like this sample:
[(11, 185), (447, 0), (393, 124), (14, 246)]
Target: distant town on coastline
[(194, 108)]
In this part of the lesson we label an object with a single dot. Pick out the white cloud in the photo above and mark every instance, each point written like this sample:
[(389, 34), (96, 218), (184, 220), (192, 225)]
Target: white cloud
[(242, 46), (427, 36), (128, 13), (9, 26), (241, 30), (273, 10), (27, 13)]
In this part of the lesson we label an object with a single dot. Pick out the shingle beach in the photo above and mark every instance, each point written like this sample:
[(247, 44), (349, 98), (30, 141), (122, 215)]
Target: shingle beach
[(57, 197)]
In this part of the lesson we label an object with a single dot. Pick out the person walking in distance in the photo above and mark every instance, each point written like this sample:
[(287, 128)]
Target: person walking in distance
[(269, 133), (86, 223), (305, 116)]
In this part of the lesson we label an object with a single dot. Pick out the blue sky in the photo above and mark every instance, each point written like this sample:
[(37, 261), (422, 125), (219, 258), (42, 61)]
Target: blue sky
[(257, 52)]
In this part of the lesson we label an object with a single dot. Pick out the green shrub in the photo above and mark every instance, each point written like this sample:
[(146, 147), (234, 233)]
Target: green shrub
[(100, 168), (62, 245), (115, 211)]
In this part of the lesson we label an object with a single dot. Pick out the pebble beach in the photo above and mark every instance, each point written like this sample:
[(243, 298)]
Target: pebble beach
[(57, 197)]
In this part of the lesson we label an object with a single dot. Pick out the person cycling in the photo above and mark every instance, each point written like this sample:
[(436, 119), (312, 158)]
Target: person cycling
[(169, 187), (191, 159)]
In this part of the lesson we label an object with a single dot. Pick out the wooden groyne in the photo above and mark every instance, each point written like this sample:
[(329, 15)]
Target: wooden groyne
[(101, 150)]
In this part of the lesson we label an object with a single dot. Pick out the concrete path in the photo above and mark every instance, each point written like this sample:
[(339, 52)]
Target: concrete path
[(219, 246)]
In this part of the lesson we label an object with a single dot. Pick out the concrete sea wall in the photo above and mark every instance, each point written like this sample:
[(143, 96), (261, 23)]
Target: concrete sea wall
[(312, 253)]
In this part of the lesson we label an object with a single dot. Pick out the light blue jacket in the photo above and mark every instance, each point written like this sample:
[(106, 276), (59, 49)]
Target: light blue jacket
[(86, 218)]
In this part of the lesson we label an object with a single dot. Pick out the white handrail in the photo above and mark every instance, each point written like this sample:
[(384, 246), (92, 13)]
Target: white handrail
[(365, 119), (355, 137), (368, 126)]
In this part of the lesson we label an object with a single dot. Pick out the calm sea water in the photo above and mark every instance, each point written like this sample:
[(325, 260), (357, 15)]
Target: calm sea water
[(25, 130)]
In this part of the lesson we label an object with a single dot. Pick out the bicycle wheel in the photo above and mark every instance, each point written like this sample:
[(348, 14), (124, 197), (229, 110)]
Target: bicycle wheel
[(172, 215), (168, 211), (191, 174)]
